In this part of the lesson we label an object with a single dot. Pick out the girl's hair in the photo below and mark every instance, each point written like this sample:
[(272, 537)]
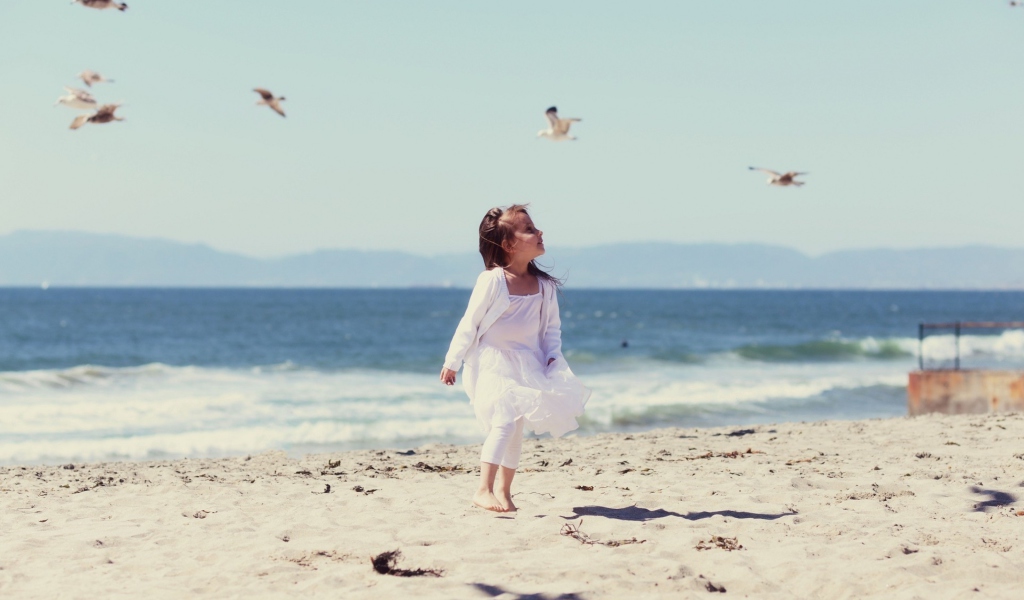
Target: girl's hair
[(497, 232)]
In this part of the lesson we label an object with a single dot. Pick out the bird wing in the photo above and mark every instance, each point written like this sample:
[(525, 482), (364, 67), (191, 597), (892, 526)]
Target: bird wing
[(106, 109), (265, 93), (79, 121), (552, 115), (277, 108), (80, 94), (768, 171), (792, 174)]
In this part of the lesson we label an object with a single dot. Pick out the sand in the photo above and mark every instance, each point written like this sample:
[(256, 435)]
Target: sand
[(924, 507)]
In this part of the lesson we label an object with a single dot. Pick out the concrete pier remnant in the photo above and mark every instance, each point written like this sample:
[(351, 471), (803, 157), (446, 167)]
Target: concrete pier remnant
[(963, 391), (955, 391)]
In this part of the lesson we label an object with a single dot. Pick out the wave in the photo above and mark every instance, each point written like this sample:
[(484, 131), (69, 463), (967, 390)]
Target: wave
[(97, 375), (1007, 346), (873, 401), (829, 349), (158, 411)]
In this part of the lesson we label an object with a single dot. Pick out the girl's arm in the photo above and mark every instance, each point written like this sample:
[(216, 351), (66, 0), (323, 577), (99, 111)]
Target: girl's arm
[(551, 340), (465, 334)]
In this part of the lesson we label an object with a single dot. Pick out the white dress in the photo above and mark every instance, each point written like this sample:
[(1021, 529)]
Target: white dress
[(513, 382)]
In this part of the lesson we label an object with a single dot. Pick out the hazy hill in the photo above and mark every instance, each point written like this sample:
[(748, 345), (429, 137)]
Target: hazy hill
[(28, 258)]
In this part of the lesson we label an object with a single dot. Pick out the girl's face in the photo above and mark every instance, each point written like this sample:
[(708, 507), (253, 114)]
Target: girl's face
[(529, 241)]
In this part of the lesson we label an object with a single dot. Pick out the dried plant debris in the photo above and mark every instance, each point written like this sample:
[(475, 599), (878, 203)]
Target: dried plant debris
[(878, 492), (718, 541), (574, 531), (710, 586), (365, 491), (422, 466), (328, 469), (327, 489), (566, 463), (733, 454), (585, 488), (385, 564), (307, 560)]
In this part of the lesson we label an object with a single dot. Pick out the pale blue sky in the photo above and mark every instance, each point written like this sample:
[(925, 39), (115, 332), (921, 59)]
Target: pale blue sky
[(407, 120)]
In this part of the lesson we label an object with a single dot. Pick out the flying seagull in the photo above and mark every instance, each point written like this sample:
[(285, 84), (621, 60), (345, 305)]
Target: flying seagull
[(105, 114), (559, 129), (77, 98), (268, 99), (780, 179), (102, 4), (91, 77)]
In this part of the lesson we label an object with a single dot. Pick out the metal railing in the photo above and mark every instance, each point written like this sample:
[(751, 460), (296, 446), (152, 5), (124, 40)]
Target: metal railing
[(956, 326)]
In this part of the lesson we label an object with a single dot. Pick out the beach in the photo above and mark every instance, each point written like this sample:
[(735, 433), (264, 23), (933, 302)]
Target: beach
[(923, 507)]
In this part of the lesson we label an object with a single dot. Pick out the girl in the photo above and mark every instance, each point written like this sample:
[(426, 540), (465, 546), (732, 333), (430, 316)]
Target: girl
[(510, 340)]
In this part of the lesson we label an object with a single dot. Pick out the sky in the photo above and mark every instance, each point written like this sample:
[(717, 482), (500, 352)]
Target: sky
[(408, 120)]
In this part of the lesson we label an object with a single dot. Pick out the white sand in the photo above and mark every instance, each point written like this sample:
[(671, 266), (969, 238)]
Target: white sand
[(905, 508)]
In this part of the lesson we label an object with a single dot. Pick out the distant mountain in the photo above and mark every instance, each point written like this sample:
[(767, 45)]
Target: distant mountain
[(60, 258)]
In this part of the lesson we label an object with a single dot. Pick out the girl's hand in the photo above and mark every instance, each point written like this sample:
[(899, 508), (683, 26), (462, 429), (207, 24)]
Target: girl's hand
[(447, 376)]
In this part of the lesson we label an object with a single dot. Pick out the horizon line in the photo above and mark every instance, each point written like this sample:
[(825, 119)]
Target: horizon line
[(210, 246)]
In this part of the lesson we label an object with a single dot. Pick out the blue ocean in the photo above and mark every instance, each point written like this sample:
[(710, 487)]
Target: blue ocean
[(115, 374)]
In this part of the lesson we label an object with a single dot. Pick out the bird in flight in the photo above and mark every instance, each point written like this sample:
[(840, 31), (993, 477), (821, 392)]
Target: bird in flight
[(781, 179), (559, 128), (91, 77), (77, 98), (102, 4), (268, 99), (105, 114)]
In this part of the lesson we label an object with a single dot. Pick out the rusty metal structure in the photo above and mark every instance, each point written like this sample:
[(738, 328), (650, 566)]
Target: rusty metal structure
[(963, 391)]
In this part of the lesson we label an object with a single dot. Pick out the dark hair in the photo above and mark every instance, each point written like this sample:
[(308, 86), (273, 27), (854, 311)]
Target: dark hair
[(497, 234)]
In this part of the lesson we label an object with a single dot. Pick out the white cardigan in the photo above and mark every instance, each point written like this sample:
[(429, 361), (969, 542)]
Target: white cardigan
[(490, 299)]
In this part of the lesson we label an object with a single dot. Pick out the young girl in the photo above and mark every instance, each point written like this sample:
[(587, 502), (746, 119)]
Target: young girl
[(511, 342)]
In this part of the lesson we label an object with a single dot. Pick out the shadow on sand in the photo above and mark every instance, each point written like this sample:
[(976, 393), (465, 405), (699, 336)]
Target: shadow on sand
[(996, 498), (635, 513), (493, 590)]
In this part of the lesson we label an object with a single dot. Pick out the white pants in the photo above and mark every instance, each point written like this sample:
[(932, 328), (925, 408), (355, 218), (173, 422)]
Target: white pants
[(504, 445)]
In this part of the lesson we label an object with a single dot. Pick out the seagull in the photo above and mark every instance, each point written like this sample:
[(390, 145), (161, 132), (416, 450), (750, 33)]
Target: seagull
[(780, 179), (105, 114), (268, 99), (559, 129), (102, 4), (77, 98), (91, 77)]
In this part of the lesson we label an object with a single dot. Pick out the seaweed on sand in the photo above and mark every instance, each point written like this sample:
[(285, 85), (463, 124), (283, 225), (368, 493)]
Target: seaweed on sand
[(385, 564)]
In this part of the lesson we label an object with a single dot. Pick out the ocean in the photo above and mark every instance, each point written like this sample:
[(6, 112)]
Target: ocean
[(135, 374)]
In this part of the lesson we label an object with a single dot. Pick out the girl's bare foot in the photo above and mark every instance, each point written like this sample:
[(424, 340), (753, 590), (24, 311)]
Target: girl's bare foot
[(486, 500), (506, 502)]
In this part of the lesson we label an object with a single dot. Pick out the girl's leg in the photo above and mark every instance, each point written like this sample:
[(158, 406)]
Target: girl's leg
[(491, 455), (509, 464), (484, 496)]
